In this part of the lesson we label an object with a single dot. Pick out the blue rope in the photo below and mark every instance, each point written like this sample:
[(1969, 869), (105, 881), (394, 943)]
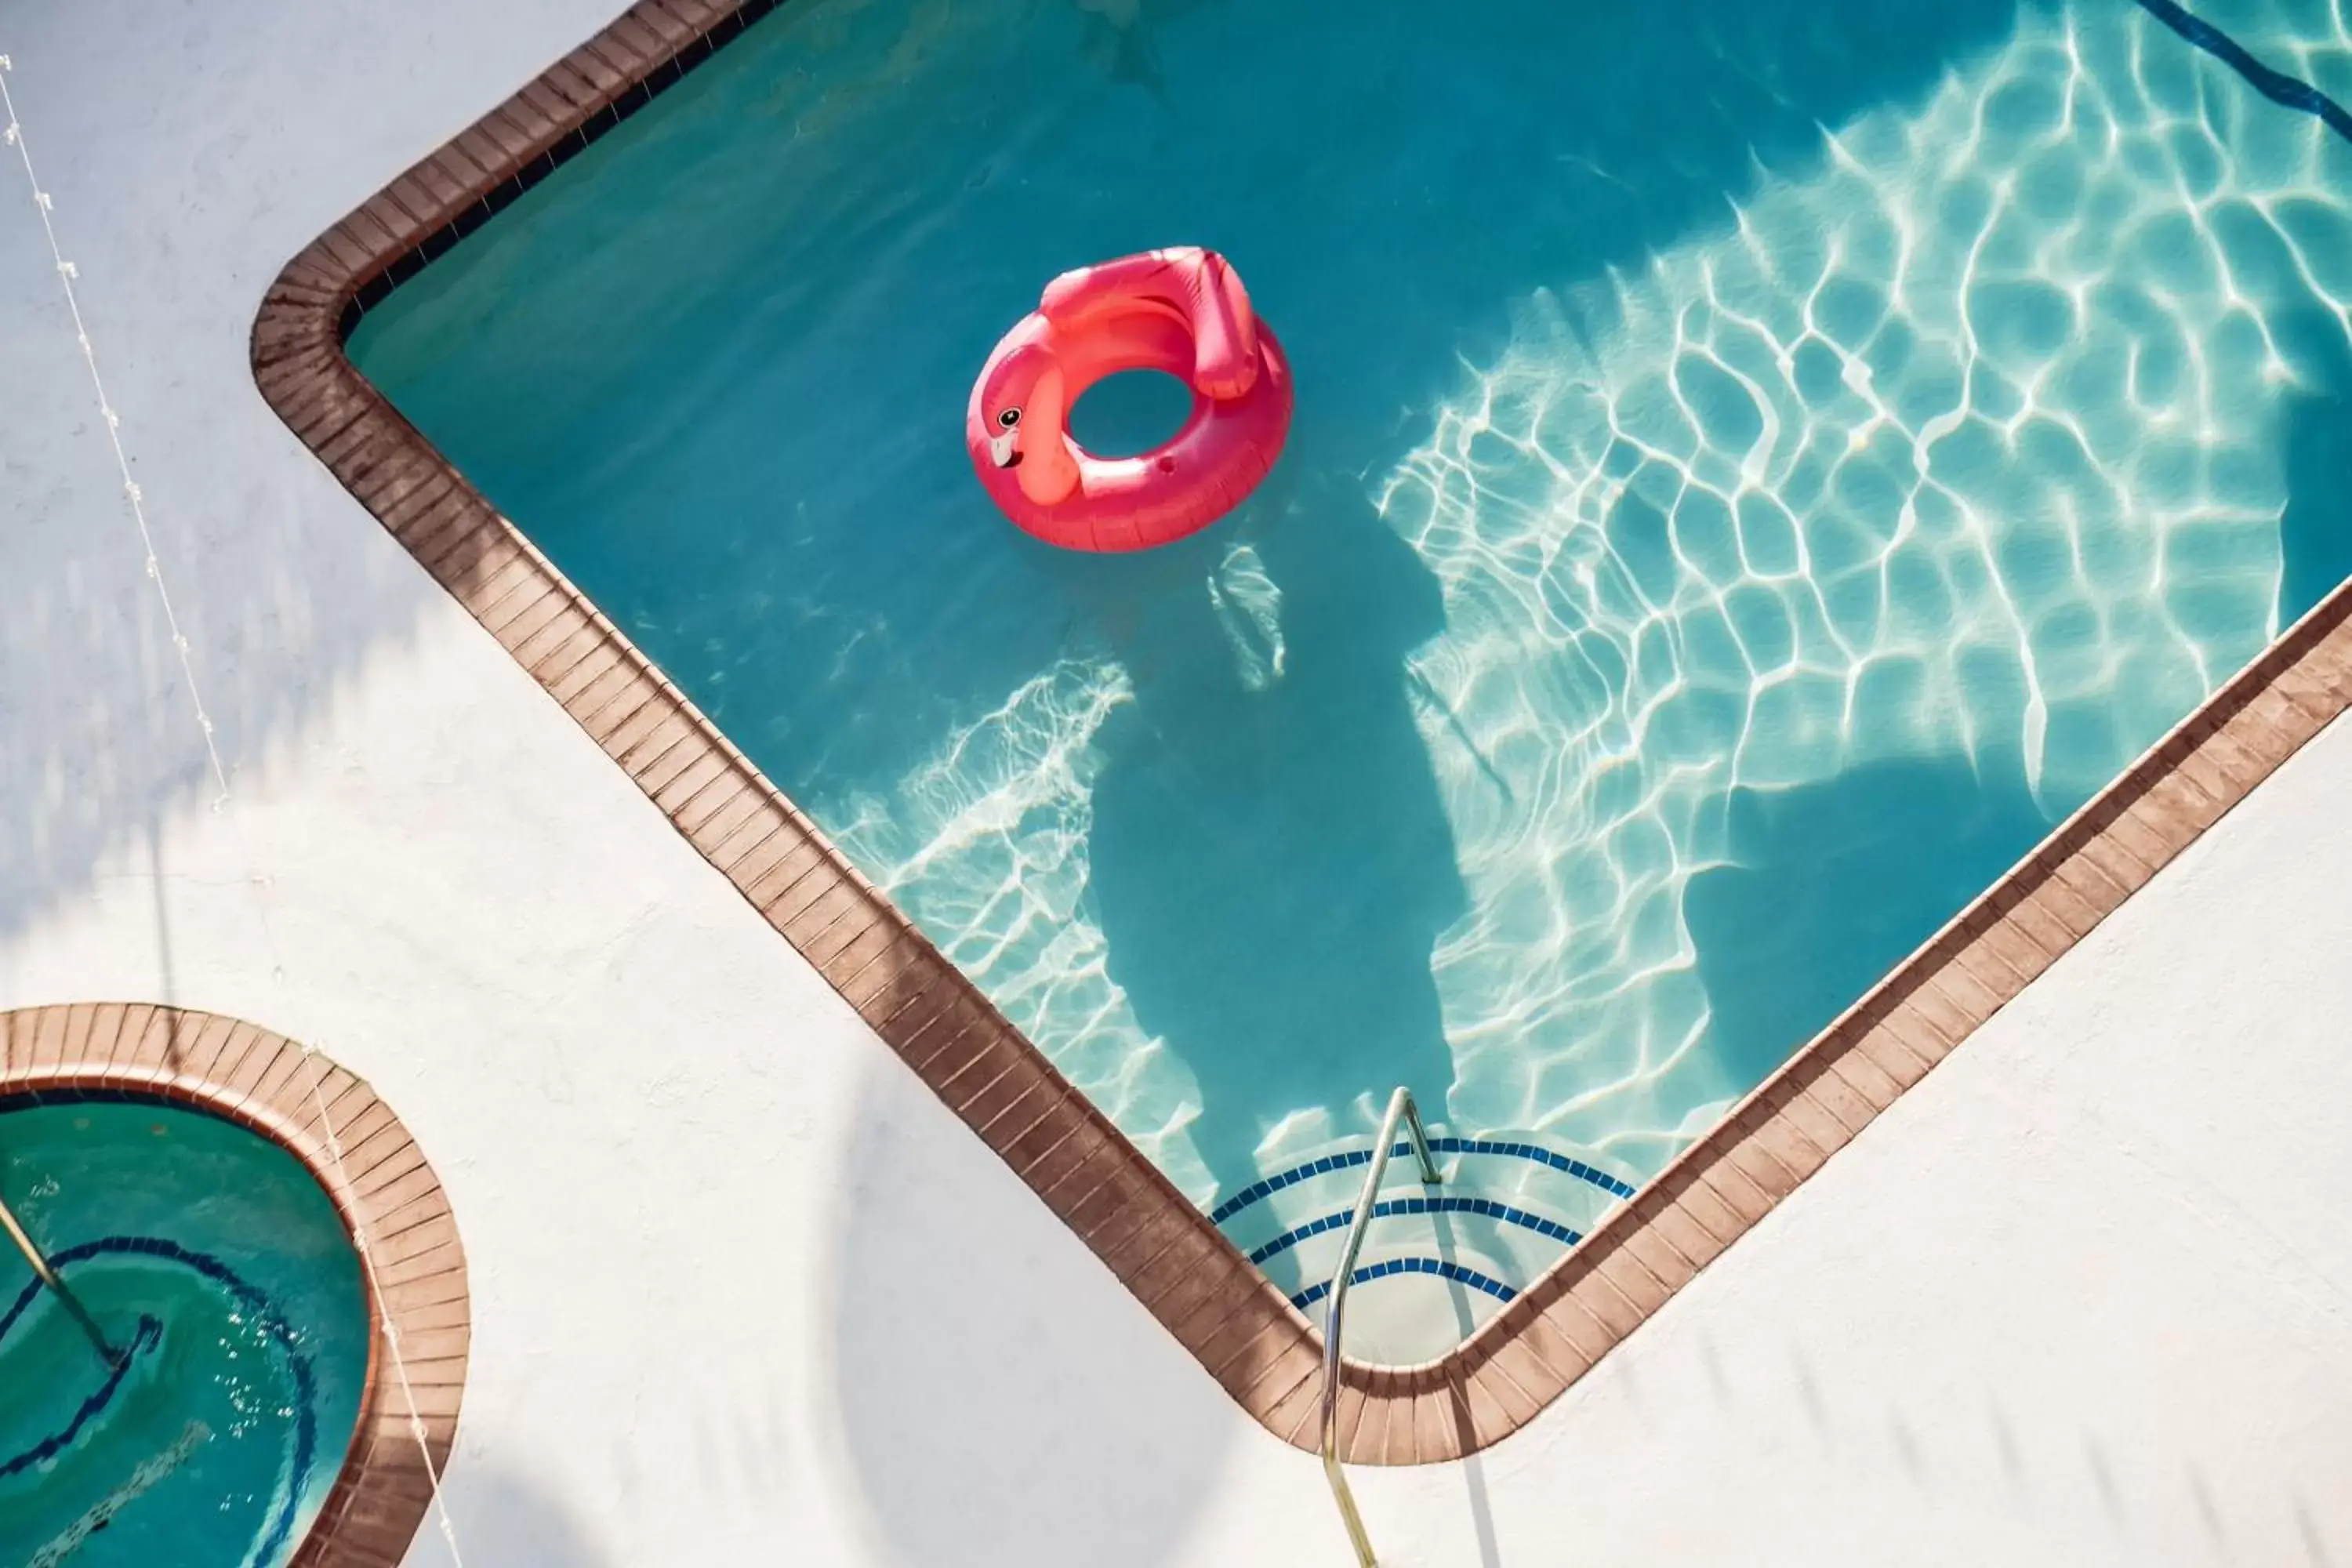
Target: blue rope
[(2276, 86)]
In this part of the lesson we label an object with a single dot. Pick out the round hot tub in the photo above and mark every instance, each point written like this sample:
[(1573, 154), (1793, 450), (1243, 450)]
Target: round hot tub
[(229, 1297)]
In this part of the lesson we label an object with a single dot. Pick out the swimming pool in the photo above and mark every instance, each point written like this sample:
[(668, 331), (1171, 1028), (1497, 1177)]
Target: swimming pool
[(212, 1256), (1709, 549)]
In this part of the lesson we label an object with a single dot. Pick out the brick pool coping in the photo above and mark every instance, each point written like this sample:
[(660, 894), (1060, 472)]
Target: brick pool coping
[(392, 1205), (1234, 1321)]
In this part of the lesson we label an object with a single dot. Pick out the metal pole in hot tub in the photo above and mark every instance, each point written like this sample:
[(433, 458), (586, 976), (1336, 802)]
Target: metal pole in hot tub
[(48, 1276)]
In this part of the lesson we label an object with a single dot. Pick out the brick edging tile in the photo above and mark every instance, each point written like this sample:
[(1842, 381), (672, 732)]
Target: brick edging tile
[(384, 1189), (1233, 1320)]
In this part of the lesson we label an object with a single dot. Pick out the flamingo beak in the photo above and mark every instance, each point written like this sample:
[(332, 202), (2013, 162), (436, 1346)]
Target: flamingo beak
[(1005, 450)]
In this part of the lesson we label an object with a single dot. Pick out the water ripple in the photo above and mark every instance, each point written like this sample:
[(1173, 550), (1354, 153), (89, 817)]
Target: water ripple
[(1963, 440), (1969, 442)]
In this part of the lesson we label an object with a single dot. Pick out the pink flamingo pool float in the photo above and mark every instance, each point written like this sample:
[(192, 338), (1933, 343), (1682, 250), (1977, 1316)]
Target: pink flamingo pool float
[(1184, 312)]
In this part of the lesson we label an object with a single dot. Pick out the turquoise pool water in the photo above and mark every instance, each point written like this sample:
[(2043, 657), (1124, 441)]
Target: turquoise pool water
[(1757, 467), (214, 1258)]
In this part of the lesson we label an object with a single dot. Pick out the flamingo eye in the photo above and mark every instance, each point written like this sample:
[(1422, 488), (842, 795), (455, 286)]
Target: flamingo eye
[(1009, 418)]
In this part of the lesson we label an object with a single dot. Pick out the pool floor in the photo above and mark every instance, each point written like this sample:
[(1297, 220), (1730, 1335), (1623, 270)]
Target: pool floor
[(1756, 469)]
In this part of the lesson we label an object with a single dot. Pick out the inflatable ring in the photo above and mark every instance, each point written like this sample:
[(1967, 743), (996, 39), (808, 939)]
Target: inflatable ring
[(1184, 312)]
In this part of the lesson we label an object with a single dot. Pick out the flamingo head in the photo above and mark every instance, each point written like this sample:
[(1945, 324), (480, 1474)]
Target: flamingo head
[(1022, 410)]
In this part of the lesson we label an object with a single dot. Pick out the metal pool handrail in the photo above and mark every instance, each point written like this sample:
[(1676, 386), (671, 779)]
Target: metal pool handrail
[(1400, 1108), (48, 1276)]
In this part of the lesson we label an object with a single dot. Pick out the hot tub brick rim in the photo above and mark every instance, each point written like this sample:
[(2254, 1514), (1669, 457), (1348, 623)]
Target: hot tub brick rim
[(380, 1461)]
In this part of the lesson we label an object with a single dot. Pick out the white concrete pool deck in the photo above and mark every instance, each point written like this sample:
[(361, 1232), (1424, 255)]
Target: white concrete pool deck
[(2083, 1297)]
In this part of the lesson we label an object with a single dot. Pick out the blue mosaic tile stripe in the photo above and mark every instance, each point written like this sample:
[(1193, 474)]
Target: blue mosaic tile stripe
[(2277, 86), (280, 1523), (1258, 1191), (1390, 1266), (145, 1337), (1486, 1208)]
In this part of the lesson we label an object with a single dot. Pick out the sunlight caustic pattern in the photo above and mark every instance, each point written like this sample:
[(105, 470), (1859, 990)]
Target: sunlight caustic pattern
[(1962, 440), (986, 845), (1968, 443), (2310, 40)]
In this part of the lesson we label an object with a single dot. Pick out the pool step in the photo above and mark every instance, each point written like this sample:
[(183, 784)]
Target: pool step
[(1437, 1261)]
